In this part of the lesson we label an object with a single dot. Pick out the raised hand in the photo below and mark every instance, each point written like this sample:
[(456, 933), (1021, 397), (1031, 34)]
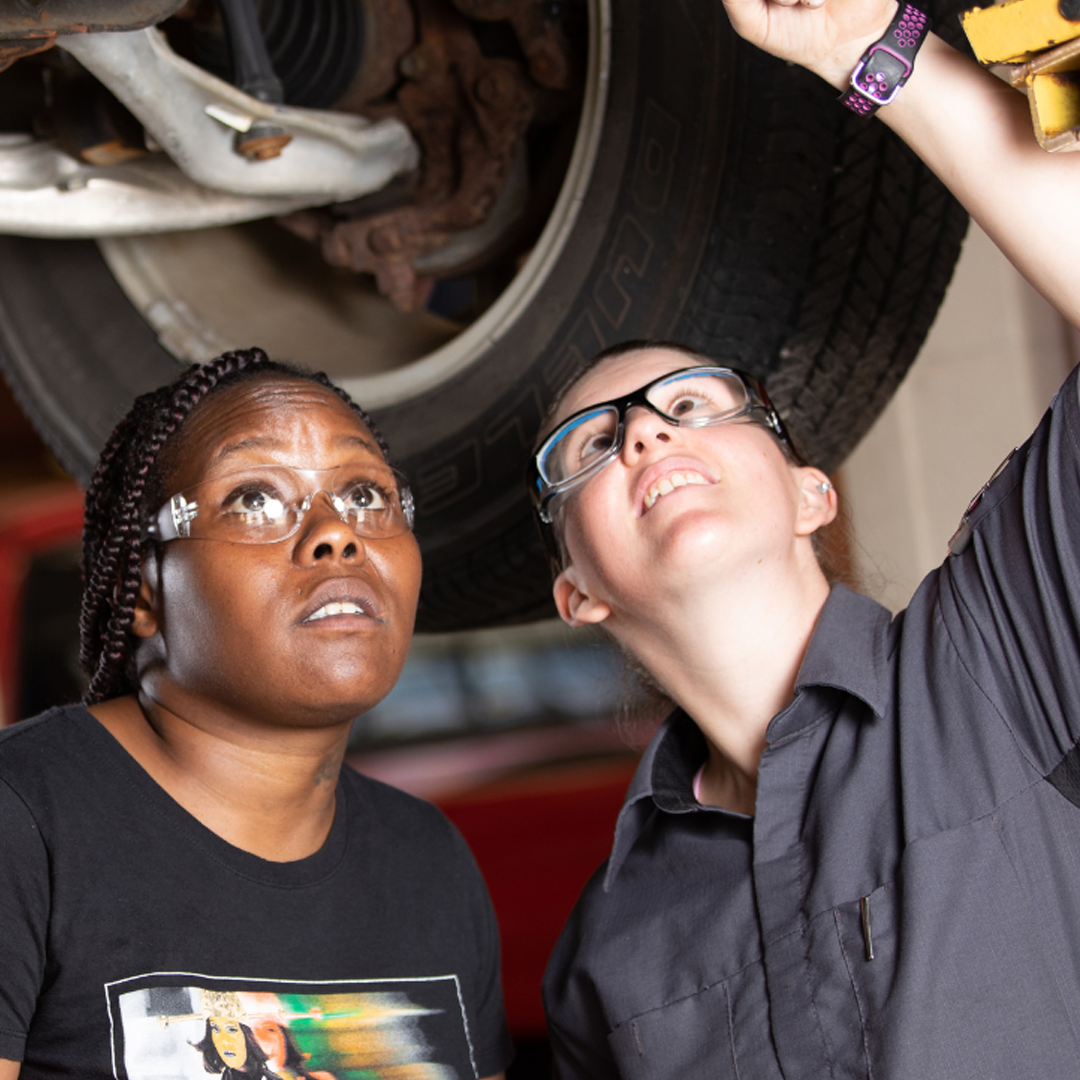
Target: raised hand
[(826, 36), (971, 129)]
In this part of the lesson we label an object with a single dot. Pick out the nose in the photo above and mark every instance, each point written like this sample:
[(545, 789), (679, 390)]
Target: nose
[(645, 430), (324, 535)]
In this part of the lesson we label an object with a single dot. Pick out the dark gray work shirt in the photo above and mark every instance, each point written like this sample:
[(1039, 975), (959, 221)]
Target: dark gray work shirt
[(926, 770)]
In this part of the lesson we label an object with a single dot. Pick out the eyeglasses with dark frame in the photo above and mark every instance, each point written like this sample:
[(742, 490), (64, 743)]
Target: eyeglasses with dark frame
[(265, 504), (692, 397)]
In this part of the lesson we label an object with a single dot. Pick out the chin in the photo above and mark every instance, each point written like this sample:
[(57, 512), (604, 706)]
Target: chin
[(333, 706), (696, 536)]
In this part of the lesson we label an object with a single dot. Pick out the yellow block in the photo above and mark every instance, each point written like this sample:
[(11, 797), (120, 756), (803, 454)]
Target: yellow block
[(1055, 108), (1012, 32), (1052, 81)]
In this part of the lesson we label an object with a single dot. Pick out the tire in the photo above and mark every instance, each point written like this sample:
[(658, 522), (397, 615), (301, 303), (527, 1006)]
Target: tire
[(733, 205)]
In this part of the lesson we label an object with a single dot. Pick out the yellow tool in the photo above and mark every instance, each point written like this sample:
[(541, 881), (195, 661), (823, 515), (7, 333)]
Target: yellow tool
[(1035, 46), (1013, 32)]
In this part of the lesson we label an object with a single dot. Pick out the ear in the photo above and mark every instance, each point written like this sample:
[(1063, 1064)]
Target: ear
[(576, 606), (817, 501), (146, 620)]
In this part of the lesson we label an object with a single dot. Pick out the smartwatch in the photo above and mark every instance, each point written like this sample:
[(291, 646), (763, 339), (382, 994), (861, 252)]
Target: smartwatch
[(887, 64)]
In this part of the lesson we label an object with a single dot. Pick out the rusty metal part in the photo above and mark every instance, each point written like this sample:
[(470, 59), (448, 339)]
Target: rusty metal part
[(12, 49), (26, 28), (262, 141), (43, 18), (389, 33), (253, 73), (469, 114), (539, 30)]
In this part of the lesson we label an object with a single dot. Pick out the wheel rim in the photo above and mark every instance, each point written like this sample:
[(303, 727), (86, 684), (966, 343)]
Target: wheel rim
[(280, 295)]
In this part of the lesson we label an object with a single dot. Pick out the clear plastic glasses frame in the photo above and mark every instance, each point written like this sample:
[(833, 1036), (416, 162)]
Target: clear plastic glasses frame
[(692, 397), (266, 504)]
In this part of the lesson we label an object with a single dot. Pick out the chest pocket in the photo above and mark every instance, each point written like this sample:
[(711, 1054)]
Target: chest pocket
[(866, 929), (719, 1033)]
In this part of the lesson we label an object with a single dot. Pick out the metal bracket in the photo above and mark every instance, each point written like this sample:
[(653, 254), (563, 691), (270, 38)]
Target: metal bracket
[(333, 156)]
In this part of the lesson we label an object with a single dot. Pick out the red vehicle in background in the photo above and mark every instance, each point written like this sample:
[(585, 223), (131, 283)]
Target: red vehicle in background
[(508, 731)]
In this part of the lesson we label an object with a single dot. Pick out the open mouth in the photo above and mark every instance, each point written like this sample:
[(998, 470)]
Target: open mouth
[(344, 600), (345, 607), (672, 482)]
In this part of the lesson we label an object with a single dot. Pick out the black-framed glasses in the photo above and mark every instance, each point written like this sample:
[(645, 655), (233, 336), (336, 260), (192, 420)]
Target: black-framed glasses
[(265, 504), (691, 397)]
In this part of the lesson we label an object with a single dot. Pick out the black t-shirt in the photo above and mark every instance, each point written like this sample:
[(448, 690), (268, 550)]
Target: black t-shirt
[(136, 943)]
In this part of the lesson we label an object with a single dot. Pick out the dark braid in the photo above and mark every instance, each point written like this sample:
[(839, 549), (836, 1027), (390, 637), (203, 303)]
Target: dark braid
[(127, 487)]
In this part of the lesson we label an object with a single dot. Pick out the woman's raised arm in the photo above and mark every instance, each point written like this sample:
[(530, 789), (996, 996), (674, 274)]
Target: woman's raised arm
[(973, 130)]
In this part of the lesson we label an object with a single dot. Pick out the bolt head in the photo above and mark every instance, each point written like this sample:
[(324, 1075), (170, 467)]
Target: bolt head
[(262, 142), (413, 65)]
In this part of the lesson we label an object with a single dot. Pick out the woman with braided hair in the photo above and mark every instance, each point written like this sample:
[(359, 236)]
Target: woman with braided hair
[(189, 831)]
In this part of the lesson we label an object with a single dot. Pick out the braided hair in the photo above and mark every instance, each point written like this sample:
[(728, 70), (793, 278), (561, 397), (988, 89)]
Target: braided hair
[(127, 487)]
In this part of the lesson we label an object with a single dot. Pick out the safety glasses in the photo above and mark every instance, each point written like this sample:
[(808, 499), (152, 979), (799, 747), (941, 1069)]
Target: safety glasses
[(265, 504), (694, 397)]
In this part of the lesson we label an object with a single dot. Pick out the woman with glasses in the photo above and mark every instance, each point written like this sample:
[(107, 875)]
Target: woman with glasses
[(186, 845), (851, 851)]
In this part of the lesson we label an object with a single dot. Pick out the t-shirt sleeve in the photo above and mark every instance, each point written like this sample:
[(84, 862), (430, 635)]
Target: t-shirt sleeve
[(1010, 599), (487, 1019), (24, 914)]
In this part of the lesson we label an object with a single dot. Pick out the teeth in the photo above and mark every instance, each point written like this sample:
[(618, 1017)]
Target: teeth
[(347, 607), (669, 483)]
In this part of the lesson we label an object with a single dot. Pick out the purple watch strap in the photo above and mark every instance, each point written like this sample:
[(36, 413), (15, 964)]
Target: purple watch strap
[(887, 64)]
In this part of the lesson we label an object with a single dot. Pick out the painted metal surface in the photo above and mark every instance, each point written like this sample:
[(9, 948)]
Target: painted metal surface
[(332, 156)]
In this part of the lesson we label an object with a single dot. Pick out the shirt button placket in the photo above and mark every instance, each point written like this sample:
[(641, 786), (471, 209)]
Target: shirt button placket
[(780, 894)]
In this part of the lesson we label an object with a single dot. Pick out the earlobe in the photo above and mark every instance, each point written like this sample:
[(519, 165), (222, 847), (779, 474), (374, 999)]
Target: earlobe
[(576, 607), (145, 622)]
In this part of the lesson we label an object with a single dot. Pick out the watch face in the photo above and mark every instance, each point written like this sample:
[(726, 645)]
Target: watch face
[(881, 74)]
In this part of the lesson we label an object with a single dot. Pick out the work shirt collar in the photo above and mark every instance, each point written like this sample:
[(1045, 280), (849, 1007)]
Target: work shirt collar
[(848, 651)]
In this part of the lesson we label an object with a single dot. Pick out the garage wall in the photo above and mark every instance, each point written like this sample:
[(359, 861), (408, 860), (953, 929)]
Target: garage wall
[(990, 366)]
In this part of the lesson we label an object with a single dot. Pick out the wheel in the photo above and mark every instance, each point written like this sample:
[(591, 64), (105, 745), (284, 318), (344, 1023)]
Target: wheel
[(714, 196)]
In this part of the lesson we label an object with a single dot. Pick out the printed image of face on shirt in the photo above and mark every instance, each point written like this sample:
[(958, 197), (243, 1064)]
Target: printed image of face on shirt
[(229, 1048), (404, 1029), (228, 1038)]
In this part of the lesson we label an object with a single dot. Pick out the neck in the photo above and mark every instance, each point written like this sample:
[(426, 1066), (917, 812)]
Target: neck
[(728, 653), (268, 792)]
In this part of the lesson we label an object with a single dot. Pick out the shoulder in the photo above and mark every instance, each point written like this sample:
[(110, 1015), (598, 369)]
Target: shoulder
[(46, 743), (572, 981), (587, 927), (68, 771), (28, 795), (44, 725)]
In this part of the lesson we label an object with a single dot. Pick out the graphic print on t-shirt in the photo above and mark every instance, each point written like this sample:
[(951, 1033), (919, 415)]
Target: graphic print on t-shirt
[(168, 1026)]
